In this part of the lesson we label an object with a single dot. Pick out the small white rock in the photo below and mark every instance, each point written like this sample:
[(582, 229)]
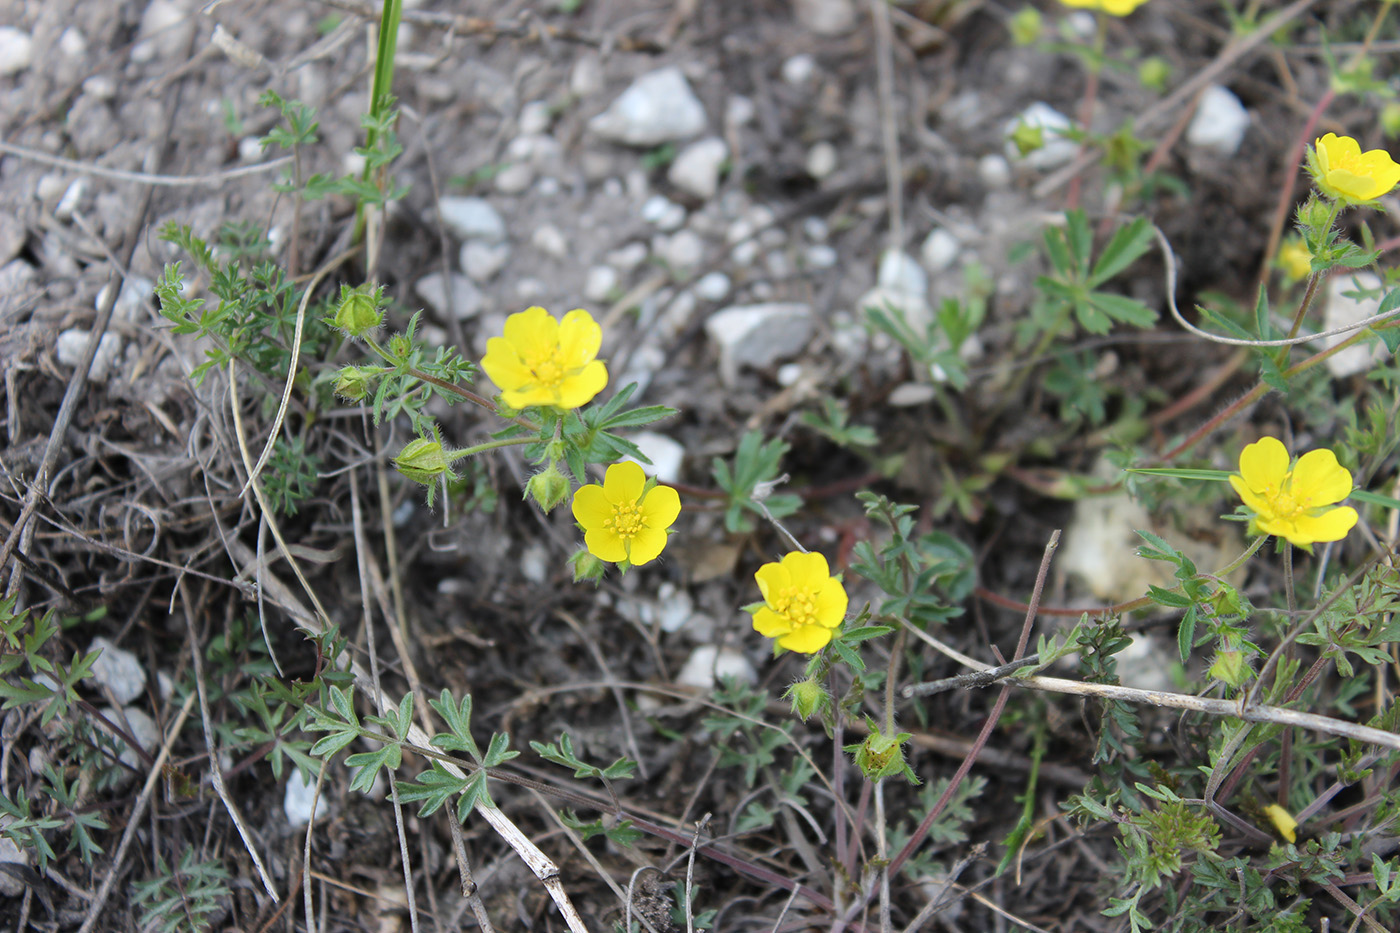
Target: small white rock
[(71, 344), (665, 454), (529, 289), (1220, 122), (900, 273), (101, 87), (481, 260), (599, 283), (655, 208), (143, 729), (758, 335), (250, 149), (534, 562), (71, 200), (16, 50), (815, 229), (514, 178), (826, 17), (798, 69), (696, 169), (739, 111), (466, 297), (548, 240), (708, 663), (165, 30), (910, 394), (745, 254), (50, 187), (299, 800), (683, 252), (131, 305), (939, 250), (672, 219), (1056, 149), (118, 670), (788, 374), (629, 257), (1342, 311), (659, 107), (821, 160), (674, 607), (712, 286), (994, 171), (73, 43), (820, 256), (535, 117), (471, 218), (586, 78), (11, 886)]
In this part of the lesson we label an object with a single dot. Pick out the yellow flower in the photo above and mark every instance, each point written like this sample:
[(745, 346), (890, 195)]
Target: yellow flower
[(623, 519), (1111, 7), (803, 603), (1293, 503), (1294, 259), (541, 361), (1283, 821), (1345, 173)]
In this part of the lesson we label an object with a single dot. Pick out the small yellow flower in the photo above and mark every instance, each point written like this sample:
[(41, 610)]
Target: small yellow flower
[(1345, 173), (623, 519), (1283, 821), (1111, 7), (803, 603), (541, 361), (1294, 259), (1293, 503)]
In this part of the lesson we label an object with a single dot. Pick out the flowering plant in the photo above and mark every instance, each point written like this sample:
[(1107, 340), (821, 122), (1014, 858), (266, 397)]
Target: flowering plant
[(547, 362), (1344, 173), (1294, 502), (803, 604), (625, 519), (1111, 7)]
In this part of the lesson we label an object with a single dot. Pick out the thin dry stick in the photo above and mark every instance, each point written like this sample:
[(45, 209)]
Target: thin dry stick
[(137, 812), (216, 773), (213, 179)]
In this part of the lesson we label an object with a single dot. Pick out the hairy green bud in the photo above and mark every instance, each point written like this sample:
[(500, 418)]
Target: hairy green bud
[(881, 756), (807, 698), (1028, 138), (1230, 666), (353, 383), (422, 460), (548, 487), (587, 567), (359, 310)]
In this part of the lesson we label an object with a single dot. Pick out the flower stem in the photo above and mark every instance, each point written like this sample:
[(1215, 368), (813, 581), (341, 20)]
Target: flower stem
[(454, 455)]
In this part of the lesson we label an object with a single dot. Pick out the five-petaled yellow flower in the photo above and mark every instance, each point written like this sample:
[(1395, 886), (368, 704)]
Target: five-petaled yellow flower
[(1345, 173), (541, 361), (1294, 503), (1295, 259), (623, 519), (1111, 7), (803, 603)]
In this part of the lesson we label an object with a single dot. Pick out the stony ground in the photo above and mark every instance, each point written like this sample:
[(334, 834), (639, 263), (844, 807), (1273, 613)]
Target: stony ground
[(725, 186)]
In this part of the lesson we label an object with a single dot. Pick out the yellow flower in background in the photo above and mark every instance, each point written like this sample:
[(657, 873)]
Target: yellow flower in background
[(1345, 173), (1111, 7), (541, 361), (1294, 503), (1283, 821), (1294, 259), (803, 603), (623, 519)]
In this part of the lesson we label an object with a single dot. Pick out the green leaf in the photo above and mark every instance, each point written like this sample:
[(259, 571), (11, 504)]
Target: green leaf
[(369, 763), (1127, 244), (1220, 476), (1375, 498), (1186, 634), (498, 750), (1122, 308)]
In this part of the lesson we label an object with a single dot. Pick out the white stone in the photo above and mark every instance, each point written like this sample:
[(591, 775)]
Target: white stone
[(939, 250), (994, 171), (299, 800), (798, 69), (11, 886), (471, 218), (466, 297), (745, 254), (534, 562), (50, 187), (548, 240), (655, 208), (132, 300), (16, 50), (910, 394), (739, 111), (547, 187), (665, 454), (708, 663), (1057, 148), (586, 77), (826, 17), (71, 200), (820, 256), (645, 363), (815, 229), (900, 273), (672, 218), (629, 257), (778, 264), (758, 335), (481, 260), (599, 283), (514, 178), (118, 670), (1220, 122), (1082, 23), (1343, 311), (821, 160), (530, 289), (674, 607), (143, 729), (658, 108), (683, 252), (71, 344), (250, 149), (73, 43), (788, 374), (165, 30), (712, 286), (696, 169), (535, 117)]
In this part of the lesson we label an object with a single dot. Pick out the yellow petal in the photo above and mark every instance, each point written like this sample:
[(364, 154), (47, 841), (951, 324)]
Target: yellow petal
[(503, 365), (530, 395), (604, 544), (624, 482), (1336, 150), (806, 639), (1318, 479), (772, 578), (1351, 185), (769, 624), (579, 338), (1283, 821), (647, 545), (660, 507), (1381, 168), (591, 507), (580, 388), (809, 571), (1331, 525), (1253, 502), (831, 603), (534, 333), (1264, 464)]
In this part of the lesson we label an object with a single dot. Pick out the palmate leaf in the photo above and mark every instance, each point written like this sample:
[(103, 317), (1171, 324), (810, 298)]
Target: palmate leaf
[(432, 788), (459, 722), (1128, 243)]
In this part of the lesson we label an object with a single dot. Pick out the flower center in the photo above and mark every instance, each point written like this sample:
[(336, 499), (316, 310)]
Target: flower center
[(795, 605), (625, 521), (548, 371)]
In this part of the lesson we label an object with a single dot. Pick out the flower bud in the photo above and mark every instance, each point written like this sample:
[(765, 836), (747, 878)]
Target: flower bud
[(807, 698), (358, 312), (400, 347), (1028, 138), (548, 487), (353, 383), (1231, 667), (1153, 72), (587, 567), (1315, 215), (881, 756), (422, 460)]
